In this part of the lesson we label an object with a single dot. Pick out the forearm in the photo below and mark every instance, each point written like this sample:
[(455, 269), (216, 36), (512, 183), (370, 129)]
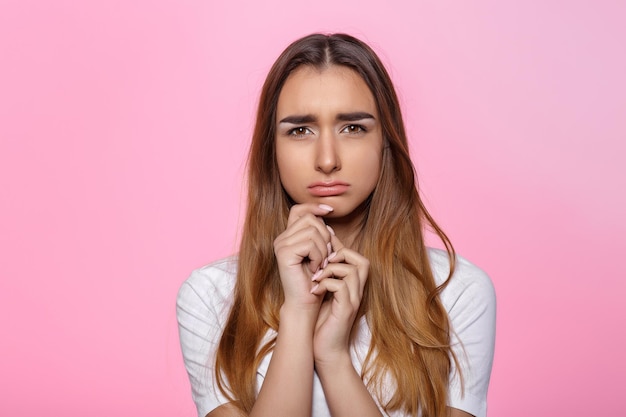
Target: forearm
[(345, 392), (288, 385)]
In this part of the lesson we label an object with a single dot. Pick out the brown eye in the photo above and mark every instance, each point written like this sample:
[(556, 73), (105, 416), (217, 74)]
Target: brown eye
[(354, 129), (299, 131)]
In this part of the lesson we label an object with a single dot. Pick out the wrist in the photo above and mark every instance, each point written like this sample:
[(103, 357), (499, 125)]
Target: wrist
[(301, 316), (335, 362)]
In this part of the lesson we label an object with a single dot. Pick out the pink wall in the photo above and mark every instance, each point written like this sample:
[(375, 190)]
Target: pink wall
[(123, 130)]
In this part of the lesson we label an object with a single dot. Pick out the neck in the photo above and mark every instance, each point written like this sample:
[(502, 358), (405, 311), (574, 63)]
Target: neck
[(347, 228), (345, 232)]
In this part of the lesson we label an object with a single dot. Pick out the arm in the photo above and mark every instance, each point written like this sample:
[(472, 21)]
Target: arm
[(344, 278), (288, 385), (345, 392), (300, 250)]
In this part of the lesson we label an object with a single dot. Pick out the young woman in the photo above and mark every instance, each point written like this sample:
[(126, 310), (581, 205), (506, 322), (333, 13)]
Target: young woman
[(334, 306)]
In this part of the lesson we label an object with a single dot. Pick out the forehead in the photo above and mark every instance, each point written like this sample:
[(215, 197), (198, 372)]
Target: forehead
[(333, 89)]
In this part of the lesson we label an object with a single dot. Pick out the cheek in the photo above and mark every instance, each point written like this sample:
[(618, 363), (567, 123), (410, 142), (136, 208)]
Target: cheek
[(371, 166), (289, 169), (285, 166)]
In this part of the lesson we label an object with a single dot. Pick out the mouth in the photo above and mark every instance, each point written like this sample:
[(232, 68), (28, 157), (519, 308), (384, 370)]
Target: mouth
[(328, 189)]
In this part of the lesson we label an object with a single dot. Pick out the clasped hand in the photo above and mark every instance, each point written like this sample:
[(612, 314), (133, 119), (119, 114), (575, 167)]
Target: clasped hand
[(313, 264)]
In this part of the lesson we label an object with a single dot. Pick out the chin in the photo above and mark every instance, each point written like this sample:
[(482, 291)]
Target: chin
[(343, 212)]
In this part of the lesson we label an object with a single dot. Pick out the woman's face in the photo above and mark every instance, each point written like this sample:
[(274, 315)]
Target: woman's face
[(329, 139)]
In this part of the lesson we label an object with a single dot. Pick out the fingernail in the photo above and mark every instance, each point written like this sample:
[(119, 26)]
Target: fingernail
[(329, 247), (330, 229), (332, 255), (326, 207), (314, 288), (317, 275), (325, 264)]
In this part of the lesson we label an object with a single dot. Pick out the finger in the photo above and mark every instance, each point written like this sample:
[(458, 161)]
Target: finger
[(305, 221), (343, 304), (303, 244), (300, 252), (310, 223), (346, 273), (300, 210), (348, 256), (334, 240), (305, 232)]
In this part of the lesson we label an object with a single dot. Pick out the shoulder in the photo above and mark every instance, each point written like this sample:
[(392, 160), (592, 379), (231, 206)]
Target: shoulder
[(202, 307), (470, 286), (467, 276), (210, 286)]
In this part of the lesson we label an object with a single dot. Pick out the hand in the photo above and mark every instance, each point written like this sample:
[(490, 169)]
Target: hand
[(344, 278), (300, 251)]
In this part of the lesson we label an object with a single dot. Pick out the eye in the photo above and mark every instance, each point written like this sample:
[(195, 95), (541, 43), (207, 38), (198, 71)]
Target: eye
[(299, 132), (354, 129)]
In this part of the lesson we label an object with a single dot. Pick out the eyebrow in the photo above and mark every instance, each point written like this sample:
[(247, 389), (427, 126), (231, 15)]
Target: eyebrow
[(353, 117), (296, 120), (342, 117)]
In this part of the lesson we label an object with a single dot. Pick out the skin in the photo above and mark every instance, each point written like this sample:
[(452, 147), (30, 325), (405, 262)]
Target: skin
[(327, 130), (328, 122)]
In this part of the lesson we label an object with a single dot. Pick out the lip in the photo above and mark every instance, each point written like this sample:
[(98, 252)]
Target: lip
[(328, 189)]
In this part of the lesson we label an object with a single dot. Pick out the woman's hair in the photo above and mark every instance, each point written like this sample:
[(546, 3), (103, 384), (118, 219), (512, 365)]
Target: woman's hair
[(409, 325)]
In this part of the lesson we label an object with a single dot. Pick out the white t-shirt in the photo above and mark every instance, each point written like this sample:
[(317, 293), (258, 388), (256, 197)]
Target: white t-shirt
[(205, 298)]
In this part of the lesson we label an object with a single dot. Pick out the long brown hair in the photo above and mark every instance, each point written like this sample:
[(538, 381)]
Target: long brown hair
[(409, 325)]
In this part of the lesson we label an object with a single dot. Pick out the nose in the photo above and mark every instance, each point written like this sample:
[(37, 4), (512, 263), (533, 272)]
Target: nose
[(327, 158)]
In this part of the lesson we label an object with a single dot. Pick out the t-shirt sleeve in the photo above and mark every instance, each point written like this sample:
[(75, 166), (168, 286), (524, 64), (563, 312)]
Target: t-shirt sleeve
[(200, 313), (471, 304)]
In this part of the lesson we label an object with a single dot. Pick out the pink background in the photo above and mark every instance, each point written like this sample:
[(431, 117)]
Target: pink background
[(124, 127)]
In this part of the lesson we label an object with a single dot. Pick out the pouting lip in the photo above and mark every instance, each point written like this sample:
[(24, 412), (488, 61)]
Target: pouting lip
[(328, 189), (327, 184)]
